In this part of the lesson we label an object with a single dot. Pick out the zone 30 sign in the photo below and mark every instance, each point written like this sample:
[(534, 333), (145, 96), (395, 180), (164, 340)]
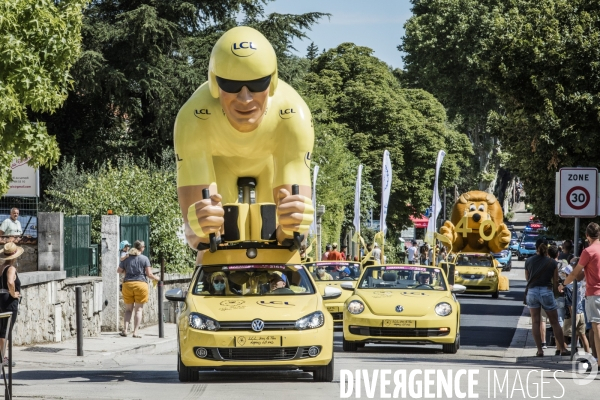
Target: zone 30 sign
[(577, 192)]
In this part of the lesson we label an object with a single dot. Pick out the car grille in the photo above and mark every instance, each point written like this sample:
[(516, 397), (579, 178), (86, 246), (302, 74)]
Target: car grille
[(529, 246), (247, 326), (472, 276), (260, 354), (337, 315), (397, 332), (473, 287)]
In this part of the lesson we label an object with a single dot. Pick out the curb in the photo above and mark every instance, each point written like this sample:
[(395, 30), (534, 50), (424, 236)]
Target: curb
[(519, 341)]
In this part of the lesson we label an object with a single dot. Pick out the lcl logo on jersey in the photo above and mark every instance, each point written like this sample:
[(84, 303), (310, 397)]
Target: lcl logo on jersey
[(202, 113), (243, 49), (286, 113)]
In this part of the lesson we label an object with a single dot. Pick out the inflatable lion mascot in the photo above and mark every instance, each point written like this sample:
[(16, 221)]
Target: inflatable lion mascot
[(466, 236)]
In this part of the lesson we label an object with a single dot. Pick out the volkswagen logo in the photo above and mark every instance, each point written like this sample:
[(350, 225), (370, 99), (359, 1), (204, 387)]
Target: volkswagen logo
[(399, 308), (472, 276), (258, 325)]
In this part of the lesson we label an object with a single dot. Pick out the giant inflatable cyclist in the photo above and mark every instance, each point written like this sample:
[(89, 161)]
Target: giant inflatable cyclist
[(243, 122)]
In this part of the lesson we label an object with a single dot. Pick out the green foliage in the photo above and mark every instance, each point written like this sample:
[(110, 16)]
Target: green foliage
[(362, 103), (128, 189), (39, 41)]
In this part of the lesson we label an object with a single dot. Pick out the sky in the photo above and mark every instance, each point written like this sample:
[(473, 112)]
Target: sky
[(378, 24)]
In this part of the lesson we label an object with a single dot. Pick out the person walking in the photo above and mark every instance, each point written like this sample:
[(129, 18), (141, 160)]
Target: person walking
[(325, 256), (589, 263), (137, 269), (10, 288), (541, 274)]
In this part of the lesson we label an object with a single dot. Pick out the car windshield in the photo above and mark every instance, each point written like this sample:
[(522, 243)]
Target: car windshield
[(474, 259), (530, 238), (252, 280), (514, 235), (334, 270), (402, 277)]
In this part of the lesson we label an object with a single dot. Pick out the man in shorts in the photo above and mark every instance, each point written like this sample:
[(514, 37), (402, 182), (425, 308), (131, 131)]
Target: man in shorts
[(589, 263)]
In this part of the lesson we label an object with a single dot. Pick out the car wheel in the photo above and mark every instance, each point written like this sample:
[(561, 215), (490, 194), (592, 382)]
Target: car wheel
[(521, 258), (495, 295), (360, 345), (186, 374), (510, 265), (324, 374), (349, 346), (453, 347)]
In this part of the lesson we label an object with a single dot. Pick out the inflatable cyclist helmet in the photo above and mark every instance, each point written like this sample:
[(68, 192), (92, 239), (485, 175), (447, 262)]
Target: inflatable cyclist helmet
[(242, 54)]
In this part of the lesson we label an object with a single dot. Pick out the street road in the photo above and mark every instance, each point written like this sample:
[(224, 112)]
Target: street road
[(487, 329)]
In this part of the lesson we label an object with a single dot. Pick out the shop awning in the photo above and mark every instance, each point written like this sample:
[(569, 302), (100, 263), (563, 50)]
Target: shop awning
[(420, 222)]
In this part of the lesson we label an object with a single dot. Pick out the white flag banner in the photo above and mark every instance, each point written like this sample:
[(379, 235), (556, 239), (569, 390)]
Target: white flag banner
[(313, 226), (386, 187), (436, 203), (357, 200)]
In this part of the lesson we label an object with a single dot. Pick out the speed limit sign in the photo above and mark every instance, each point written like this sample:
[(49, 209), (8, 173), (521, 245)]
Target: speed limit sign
[(578, 192)]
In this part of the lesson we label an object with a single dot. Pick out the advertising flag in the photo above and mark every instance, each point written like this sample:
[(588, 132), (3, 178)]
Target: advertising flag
[(313, 226), (386, 187), (357, 200), (436, 204)]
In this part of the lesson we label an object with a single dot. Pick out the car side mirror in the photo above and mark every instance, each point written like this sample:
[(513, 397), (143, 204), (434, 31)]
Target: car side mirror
[(175, 295), (331, 293), (456, 288), (346, 286)]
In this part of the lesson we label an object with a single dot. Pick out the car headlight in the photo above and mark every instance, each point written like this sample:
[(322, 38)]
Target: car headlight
[(443, 309), (202, 322), (311, 321), (356, 307), (491, 274)]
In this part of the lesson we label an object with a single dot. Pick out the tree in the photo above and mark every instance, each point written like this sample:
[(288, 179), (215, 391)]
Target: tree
[(142, 60), (39, 40), (312, 51), (541, 60), (371, 112), (441, 41)]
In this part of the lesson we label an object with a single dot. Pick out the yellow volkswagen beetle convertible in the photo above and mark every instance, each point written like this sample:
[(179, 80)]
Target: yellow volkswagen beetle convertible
[(402, 304), (265, 313), (332, 274), (478, 272)]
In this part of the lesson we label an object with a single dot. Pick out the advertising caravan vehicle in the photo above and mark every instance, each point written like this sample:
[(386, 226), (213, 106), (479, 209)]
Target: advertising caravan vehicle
[(478, 272), (269, 314), (333, 274), (402, 304)]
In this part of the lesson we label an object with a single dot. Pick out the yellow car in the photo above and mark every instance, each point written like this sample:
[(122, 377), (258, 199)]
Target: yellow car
[(254, 310), (478, 272), (332, 274), (402, 304)]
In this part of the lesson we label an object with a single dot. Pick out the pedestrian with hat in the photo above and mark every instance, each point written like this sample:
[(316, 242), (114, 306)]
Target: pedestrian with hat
[(10, 288), (124, 247)]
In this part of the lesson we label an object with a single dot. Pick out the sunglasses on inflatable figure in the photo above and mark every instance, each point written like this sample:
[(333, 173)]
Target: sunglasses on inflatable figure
[(255, 86)]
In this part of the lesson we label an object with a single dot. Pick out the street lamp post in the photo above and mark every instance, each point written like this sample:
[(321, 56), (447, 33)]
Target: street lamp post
[(320, 212)]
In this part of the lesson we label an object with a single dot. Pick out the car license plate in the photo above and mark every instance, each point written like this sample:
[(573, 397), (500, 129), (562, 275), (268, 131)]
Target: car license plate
[(332, 309), (399, 323), (258, 341)]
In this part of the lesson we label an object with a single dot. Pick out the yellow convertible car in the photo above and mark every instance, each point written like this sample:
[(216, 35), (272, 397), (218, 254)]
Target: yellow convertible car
[(332, 274), (402, 304), (254, 310), (478, 272)]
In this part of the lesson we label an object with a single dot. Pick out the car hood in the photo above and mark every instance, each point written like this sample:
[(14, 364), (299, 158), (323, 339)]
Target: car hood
[(415, 303), (267, 308), (472, 269)]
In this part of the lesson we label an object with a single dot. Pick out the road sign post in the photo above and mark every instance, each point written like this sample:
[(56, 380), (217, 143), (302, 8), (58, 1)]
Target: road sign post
[(577, 197)]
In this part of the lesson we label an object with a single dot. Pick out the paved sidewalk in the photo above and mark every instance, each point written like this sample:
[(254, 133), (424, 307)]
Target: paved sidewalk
[(95, 349)]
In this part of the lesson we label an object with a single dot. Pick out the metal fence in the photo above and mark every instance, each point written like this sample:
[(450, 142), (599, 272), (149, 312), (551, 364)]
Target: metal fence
[(136, 227), (80, 256), (28, 212)]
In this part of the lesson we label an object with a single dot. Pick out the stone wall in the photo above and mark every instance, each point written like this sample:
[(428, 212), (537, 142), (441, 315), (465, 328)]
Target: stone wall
[(150, 316), (29, 260), (47, 309)]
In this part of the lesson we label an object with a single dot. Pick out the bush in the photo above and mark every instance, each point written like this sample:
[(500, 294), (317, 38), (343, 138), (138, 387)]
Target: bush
[(126, 189)]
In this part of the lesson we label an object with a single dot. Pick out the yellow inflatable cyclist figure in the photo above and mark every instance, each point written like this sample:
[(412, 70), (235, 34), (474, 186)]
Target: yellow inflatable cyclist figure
[(243, 122)]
